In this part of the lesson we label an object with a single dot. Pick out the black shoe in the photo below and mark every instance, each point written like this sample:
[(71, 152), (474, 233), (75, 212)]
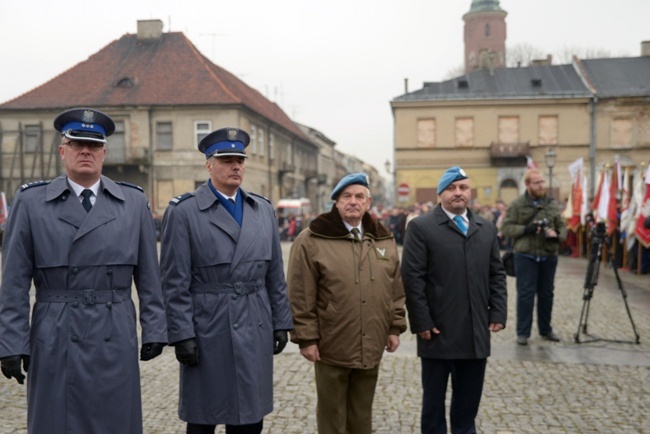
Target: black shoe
[(522, 340), (551, 337)]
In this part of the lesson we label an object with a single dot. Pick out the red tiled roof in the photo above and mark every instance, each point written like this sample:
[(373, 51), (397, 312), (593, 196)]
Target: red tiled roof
[(166, 71)]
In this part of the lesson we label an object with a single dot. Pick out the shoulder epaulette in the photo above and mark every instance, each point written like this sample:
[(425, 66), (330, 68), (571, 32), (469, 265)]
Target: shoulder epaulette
[(33, 184), (178, 199), (128, 184), (259, 195)]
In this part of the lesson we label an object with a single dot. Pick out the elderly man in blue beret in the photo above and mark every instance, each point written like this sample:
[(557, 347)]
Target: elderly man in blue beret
[(83, 239), (455, 288), (347, 302), (226, 294)]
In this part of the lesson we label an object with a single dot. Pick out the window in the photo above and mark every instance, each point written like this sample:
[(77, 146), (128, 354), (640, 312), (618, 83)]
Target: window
[(116, 148), (32, 138), (548, 130), (488, 31), (164, 136), (201, 129), (509, 129), (260, 141), (622, 133), (252, 146), (271, 147), (464, 130), (426, 133)]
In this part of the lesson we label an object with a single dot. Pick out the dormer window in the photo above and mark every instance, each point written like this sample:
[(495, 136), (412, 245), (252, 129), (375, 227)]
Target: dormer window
[(126, 82)]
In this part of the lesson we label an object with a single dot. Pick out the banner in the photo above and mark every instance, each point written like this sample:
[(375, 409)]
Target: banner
[(634, 208), (612, 203), (643, 234), (576, 209)]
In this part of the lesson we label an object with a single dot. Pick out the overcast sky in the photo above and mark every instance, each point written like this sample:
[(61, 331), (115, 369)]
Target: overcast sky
[(333, 65)]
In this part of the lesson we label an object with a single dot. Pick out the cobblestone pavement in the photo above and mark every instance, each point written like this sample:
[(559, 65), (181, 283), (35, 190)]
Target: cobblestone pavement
[(545, 387)]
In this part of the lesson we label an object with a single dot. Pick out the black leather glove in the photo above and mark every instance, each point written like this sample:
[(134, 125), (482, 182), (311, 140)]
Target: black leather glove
[(187, 352), (280, 340), (151, 351), (531, 228), (11, 367)]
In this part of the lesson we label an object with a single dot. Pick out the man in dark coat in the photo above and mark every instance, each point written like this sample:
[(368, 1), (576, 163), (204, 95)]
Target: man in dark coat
[(225, 293), (83, 239), (455, 288)]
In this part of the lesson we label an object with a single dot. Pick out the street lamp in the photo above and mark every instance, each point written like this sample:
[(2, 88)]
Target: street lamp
[(550, 163)]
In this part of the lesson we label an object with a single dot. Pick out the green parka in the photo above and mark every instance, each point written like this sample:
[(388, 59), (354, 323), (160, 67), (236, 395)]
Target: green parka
[(520, 214)]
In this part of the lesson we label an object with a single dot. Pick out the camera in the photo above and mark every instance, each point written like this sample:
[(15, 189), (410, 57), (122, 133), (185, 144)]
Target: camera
[(543, 224)]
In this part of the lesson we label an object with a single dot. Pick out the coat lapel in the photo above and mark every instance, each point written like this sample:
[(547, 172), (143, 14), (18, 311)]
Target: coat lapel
[(104, 210), (249, 229)]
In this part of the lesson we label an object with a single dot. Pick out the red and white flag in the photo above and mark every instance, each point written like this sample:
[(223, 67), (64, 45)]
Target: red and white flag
[(634, 208), (612, 203), (643, 234), (530, 163), (3, 208)]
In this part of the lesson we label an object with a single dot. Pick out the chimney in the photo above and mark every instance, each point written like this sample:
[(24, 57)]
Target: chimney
[(149, 30), (645, 48), (406, 85)]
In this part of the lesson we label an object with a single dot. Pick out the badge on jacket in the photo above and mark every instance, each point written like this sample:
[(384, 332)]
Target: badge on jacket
[(381, 253)]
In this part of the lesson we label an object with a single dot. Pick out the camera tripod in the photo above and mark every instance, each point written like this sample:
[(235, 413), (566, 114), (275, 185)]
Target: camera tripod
[(590, 283)]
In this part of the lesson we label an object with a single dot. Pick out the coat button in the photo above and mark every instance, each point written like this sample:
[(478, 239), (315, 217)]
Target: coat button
[(75, 338), (109, 305), (234, 296), (75, 270), (107, 338), (75, 304), (235, 326)]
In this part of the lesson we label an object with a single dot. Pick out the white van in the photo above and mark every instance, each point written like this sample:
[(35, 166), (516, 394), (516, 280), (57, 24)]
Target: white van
[(297, 207)]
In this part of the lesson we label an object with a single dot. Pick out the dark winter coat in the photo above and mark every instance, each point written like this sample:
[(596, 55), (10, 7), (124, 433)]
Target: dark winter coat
[(453, 282)]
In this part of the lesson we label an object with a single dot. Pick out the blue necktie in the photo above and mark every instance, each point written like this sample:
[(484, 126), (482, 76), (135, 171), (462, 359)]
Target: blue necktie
[(461, 224)]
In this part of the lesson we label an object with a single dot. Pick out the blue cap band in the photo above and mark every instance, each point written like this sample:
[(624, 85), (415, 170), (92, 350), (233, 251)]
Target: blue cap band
[(95, 128), (237, 147)]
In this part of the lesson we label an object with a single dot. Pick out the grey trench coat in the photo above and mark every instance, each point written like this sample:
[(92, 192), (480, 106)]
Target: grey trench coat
[(84, 375), (203, 248)]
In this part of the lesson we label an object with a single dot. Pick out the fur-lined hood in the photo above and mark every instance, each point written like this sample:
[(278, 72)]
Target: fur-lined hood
[(330, 225)]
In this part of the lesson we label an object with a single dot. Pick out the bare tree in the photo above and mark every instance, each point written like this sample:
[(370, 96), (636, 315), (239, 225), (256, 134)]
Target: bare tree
[(523, 54)]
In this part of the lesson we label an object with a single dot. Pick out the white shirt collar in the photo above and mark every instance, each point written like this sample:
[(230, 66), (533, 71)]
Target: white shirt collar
[(79, 188), (234, 197), (349, 227), (452, 215)]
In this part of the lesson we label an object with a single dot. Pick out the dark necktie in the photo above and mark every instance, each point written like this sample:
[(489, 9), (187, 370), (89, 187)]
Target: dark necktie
[(461, 224), (355, 234), (86, 199)]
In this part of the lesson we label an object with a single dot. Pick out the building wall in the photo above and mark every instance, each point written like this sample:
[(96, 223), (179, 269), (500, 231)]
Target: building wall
[(421, 168)]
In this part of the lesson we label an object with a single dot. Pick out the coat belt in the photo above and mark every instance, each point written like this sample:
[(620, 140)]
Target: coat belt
[(239, 288), (85, 296)]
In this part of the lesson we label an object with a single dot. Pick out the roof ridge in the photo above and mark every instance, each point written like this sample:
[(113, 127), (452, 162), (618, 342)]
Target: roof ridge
[(205, 64)]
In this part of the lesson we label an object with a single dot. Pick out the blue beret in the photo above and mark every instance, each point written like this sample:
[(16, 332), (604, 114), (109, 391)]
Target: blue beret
[(452, 174), (352, 178), (225, 142), (84, 124)]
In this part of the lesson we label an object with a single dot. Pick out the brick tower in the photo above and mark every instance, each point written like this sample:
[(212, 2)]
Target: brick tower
[(485, 35)]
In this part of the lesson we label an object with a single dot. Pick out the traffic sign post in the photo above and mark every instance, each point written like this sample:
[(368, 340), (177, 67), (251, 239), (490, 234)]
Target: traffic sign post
[(403, 191)]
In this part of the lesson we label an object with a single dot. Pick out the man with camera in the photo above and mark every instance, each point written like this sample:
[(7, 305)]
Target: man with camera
[(536, 227)]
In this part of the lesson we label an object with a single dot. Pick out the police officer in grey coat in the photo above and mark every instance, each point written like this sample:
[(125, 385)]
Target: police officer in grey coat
[(82, 239), (225, 292)]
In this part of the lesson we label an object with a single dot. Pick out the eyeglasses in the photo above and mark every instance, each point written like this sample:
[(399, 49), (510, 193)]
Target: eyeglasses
[(538, 182), (78, 146)]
